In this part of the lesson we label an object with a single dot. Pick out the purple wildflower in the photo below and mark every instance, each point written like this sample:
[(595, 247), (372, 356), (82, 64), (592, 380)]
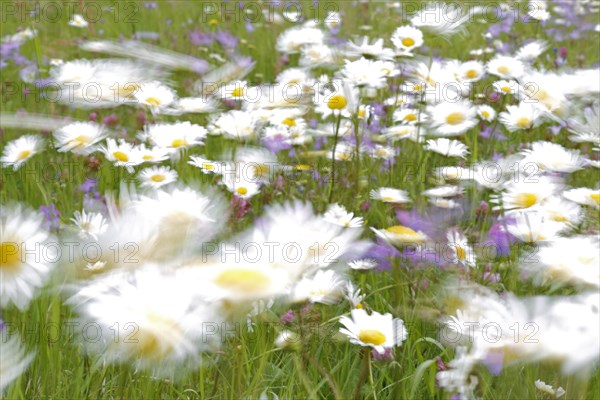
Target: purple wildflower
[(51, 217)]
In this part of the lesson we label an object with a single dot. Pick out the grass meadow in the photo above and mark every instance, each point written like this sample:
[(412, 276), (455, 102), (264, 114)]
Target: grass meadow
[(155, 317)]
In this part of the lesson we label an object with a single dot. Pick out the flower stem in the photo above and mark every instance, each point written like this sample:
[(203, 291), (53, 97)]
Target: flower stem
[(335, 141), (363, 372)]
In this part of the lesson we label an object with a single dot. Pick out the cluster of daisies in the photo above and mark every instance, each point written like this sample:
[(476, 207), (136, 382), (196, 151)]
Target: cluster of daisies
[(359, 100)]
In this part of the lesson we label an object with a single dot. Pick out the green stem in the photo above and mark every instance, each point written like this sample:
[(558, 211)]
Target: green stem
[(335, 141), (363, 372)]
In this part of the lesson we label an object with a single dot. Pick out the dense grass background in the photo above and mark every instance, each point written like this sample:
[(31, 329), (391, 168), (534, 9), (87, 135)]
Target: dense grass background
[(62, 370)]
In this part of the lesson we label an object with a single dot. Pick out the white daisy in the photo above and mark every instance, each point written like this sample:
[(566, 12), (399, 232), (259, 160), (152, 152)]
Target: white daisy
[(338, 215), (14, 360), (406, 39), (155, 95), (378, 331), (447, 147), (79, 137), (17, 152), (400, 235), (505, 67), (523, 116), (78, 21), (390, 195), (28, 254), (156, 177), (89, 224), (121, 153), (584, 196), (324, 287), (450, 119), (363, 264), (486, 112), (550, 156)]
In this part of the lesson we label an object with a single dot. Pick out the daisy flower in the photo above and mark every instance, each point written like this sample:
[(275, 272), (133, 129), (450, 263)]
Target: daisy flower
[(522, 194), (199, 105), (338, 215), (441, 19), (234, 90), (378, 331), (14, 360), (450, 119), (447, 147), (505, 67), (558, 209), (390, 195), (89, 224), (17, 152), (523, 116), (572, 260), (292, 40), (584, 196), (363, 264), (241, 185), (553, 157), (533, 227), (79, 137), (353, 295), (234, 124), (444, 191), (121, 153), (409, 116), (406, 39), (400, 235), (325, 287), (153, 154), (372, 51), (364, 72), (169, 328), (506, 87), (155, 95), (26, 253), (156, 177), (175, 136), (78, 21), (462, 252), (207, 166), (486, 112), (470, 71), (531, 51)]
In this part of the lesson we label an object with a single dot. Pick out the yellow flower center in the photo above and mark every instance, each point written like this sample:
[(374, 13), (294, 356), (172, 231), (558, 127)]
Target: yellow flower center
[(525, 200), (147, 157), (119, 155), (10, 255), (595, 197), (208, 167), (80, 141), (410, 117), (237, 92), (243, 280), (523, 122), (303, 167), (241, 191), (153, 101), (289, 122), (472, 74), (455, 118), (359, 306), (485, 114), (387, 199), (213, 22), (503, 69), (361, 113), (386, 71), (179, 143), (401, 230), (337, 102), (148, 344), (408, 42), (371, 336), (461, 253), (505, 89), (23, 155), (157, 178), (418, 88)]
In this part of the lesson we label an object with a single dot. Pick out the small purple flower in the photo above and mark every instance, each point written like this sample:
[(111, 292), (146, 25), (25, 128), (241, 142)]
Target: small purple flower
[(288, 317), (494, 361), (110, 120), (199, 38), (226, 39), (88, 186), (51, 217), (276, 143)]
